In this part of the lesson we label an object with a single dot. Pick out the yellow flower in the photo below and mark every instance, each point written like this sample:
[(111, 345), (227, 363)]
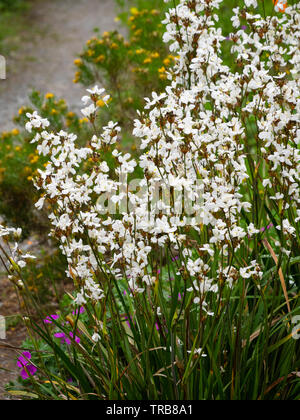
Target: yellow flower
[(54, 111), (18, 148), (49, 96), (77, 77), (167, 62), (78, 62), (147, 60), (15, 132), (21, 110), (34, 160), (162, 70), (70, 114), (101, 103), (114, 46), (100, 59), (105, 34), (155, 55), (29, 178), (134, 11)]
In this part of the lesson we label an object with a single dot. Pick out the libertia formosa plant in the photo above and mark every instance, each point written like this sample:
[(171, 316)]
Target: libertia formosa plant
[(185, 259)]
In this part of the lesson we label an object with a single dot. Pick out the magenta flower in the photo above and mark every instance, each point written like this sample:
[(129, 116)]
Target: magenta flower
[(80, 311), (27, 368), (49, 319), (268, 227), (77, 339), (64, 339)]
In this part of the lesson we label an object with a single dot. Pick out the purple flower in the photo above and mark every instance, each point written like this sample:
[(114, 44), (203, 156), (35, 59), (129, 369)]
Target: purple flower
[(80, 311), (27, 368), (77, 339), (268, 227), (49, 319), (23, 361), (64, 339)]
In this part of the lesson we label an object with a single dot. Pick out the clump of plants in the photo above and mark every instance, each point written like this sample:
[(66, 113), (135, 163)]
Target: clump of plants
[(185, 260), (20, 161)]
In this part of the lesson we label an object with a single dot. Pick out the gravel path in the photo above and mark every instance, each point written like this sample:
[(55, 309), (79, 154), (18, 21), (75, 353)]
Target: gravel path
[(56, 32)]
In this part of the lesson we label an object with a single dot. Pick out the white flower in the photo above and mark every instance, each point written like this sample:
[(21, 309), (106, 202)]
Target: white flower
[(249, 3), (89, 111), (96, 337), (199, 352), (252, 230), (35, 122), (96, 91)]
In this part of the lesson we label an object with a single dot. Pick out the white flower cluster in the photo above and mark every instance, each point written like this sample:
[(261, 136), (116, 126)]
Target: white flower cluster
[(195, 133), (13, 255)]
